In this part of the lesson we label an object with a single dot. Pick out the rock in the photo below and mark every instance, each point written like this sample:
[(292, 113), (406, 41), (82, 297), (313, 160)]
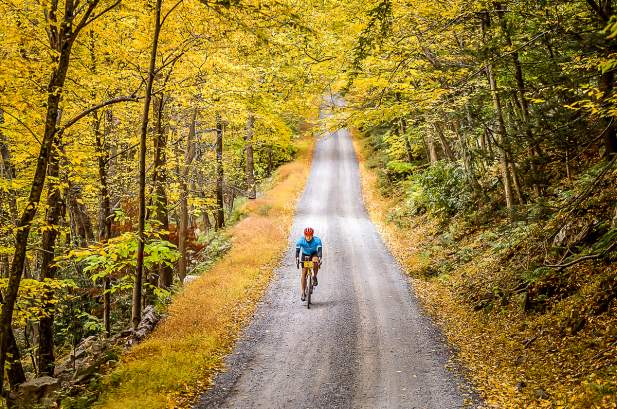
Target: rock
[(189, 279), (38, 391), (573, 232), (540, 394), (125, 333), (89, 370), (149, 319)]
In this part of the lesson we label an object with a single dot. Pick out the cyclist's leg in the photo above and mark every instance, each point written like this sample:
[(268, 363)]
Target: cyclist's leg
[(303, 282), (316, 265)]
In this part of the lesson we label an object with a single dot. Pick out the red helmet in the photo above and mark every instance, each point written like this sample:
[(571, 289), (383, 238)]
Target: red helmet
[(308, 231)]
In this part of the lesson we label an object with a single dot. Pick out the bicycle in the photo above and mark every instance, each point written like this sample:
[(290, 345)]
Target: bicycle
[(309, 283)]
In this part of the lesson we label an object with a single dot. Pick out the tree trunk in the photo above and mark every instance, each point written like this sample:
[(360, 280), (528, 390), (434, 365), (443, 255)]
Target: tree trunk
[(503, 159), (250, 164), (606, 83), (444, 142), (522, 98), (206, 221), (403, 129), (15, 370), (105, 217), (55, 204), (184, 210), (137, 287), (467, 162), (62, 44), (603, 11), (230, 201), (432, 152), (159, 179), (270, 162), (220, 209), (516, 182), (81, 225)]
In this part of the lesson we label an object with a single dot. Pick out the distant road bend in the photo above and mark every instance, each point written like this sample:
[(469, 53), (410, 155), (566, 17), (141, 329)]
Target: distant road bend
[(365, 343)]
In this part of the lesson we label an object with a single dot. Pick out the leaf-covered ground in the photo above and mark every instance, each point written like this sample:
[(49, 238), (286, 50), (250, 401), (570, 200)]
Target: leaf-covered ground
[(178, 361), (549, 344)]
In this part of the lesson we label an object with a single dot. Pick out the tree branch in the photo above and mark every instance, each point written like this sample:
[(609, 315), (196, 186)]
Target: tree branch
[(85, 18), (102, 12), (580, 259), (88, 111), (170, 11), (24, 125)]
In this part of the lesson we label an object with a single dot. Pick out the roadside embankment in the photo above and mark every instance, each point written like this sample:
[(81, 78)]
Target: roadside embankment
[(541, 341), (178, 361)]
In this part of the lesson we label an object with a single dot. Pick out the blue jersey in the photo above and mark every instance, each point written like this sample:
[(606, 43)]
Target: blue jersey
[(309, 248)]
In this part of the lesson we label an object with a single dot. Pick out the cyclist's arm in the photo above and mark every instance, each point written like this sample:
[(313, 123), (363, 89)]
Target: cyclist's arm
[(298, 247)]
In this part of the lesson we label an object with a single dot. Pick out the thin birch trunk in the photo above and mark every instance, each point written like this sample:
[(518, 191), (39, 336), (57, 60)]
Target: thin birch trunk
[(137, 287)]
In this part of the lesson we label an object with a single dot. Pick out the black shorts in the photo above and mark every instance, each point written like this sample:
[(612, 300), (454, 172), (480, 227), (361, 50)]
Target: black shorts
[(308, 256)]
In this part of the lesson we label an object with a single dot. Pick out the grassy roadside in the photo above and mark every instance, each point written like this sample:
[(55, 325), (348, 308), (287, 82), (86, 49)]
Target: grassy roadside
[(174, 365), (516, 358)]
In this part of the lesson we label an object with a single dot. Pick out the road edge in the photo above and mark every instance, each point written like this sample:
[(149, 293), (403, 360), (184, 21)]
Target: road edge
[(374, 204), (238, 278)]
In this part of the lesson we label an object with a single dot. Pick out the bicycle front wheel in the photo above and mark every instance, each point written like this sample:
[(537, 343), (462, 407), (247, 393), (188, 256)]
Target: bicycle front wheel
[(309, 288)]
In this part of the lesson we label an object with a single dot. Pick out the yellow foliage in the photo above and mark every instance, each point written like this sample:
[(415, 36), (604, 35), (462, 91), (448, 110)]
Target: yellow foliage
[(177, 362)]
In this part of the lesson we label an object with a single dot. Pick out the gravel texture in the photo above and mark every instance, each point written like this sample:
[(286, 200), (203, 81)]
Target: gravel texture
[(365, 342)]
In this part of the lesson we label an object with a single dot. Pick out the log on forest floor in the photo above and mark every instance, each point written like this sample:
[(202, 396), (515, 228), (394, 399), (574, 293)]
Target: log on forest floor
[(148, 321)]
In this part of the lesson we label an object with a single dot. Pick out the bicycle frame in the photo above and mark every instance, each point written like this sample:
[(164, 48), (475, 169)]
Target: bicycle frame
[(308, 267)]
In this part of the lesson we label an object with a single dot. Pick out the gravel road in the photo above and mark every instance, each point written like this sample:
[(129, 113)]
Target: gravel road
[(365, 342)]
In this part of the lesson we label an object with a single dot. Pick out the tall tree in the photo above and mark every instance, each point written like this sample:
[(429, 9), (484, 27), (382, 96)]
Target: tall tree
[(63, 30), (220, 204), (141, 237)]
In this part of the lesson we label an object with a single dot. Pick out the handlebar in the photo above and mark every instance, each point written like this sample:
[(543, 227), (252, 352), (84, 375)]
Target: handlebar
[(298, 262)]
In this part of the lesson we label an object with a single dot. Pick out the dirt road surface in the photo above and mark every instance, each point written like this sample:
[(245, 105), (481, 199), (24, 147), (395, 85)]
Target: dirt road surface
[(365, 342)]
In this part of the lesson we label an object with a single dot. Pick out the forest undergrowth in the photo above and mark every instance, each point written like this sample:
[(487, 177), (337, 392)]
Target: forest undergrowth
[(179, 360), (530, 335)]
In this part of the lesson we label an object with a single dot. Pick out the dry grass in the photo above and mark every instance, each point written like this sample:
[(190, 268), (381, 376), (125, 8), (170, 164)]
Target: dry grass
[(178, 361), (506, 347)]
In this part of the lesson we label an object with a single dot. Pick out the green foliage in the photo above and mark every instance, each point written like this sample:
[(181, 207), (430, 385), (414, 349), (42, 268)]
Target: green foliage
[(120, 253), (440, 189), (398, 169), (536, 274)]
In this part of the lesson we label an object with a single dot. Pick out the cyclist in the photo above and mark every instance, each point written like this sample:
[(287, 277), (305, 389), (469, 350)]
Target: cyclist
[(309, 246)]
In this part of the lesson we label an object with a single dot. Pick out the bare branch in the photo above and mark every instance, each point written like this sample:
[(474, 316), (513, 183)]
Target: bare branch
[(22, 124), (103, 12), (84, 20), (128, 98), (581, 259), (170, 11)]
